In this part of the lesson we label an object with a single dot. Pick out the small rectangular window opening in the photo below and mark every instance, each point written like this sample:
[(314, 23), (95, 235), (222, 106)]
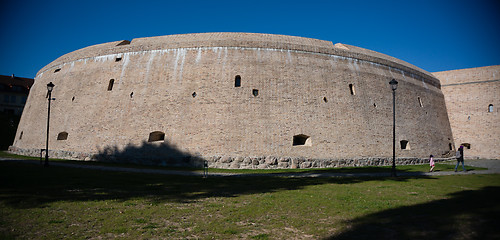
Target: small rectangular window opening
[(156, 136), (255, 92), (301, 140), (62, 136), (405, 145), (351, 88), (420, 102), (237, 81), (110, 85), (118, 59)]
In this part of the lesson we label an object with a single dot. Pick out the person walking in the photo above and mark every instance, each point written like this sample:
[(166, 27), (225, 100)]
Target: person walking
[(431, 163), (460, 158)]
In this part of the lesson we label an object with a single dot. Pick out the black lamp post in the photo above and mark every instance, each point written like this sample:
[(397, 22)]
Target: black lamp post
[(50, 86), (394, 86)]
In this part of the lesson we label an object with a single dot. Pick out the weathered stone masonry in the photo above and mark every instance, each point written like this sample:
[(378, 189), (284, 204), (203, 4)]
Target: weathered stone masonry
[(472, 99), (237, 100)]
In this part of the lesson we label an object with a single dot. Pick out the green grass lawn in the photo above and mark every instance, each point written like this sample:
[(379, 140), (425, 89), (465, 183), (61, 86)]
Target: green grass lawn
[(61, 203)]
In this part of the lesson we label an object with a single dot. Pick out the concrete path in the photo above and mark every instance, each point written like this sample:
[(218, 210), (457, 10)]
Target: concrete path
[(492, 165)]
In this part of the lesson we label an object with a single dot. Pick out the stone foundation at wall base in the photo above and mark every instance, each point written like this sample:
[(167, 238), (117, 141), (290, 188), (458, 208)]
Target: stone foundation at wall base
[(52, 154), (227, 162)]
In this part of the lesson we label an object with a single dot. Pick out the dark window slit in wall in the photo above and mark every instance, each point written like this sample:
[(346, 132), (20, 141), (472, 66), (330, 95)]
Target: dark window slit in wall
[(237, 81), (351, 89), (62, 136), (57, 70), (194, 94), (325, 100), (21, 135), (405, 145), (255, 92), (301, 140), (156, 136), (110, 84), (118, 59)]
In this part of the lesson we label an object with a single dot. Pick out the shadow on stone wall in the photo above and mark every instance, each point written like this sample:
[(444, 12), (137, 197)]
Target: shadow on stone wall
[(158, 154), (8, 123), (463, 215)]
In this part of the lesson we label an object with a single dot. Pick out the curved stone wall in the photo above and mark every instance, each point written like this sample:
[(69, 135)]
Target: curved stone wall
[(235, 99)]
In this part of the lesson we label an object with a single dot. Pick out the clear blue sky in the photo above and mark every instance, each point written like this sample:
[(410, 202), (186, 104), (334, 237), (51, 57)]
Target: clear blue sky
[(435, 35)]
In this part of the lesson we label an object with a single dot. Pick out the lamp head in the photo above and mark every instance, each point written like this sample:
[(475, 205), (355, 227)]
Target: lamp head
[(50, 86), (394, 84)]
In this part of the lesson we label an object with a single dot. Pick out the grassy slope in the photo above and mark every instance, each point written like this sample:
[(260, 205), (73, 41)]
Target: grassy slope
[(55, 203)]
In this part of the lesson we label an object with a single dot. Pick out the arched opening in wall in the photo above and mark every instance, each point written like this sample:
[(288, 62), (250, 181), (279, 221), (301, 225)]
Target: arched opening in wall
[(351, 88), (466, 145), (62, 136), (21, 135), (301, 140), (255, 92), (405, 145), (57, 70), (118, 59), (450, 146), (420, 102), (237, 81), (110, 84), (156, 136), (490, 108)]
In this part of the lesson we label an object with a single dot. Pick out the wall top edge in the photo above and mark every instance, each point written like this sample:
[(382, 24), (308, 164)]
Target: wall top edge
[(243, 40)]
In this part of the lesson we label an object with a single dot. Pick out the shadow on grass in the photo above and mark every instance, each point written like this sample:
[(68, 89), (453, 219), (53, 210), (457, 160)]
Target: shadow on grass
[(463, 215), (26, 185)]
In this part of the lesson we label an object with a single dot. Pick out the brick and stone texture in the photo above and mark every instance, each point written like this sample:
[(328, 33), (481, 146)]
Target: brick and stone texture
[(180, 92), (472, 99)]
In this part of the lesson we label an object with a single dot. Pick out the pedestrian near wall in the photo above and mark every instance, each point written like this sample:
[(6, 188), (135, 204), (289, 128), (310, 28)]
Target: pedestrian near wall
[(460, 158), (431, 163)]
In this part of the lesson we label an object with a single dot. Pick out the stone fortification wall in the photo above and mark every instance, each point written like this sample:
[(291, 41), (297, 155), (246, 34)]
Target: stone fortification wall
[(227, 97), (473, 98)]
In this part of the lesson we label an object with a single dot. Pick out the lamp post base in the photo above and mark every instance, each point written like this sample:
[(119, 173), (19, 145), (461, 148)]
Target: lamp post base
[(46, 164)]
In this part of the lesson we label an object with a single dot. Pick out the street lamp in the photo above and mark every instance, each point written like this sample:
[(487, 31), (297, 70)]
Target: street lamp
[(394, 86), (50, 87)]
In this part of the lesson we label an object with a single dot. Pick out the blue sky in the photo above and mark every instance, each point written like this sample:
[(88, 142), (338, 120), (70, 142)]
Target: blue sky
[(435, 35)]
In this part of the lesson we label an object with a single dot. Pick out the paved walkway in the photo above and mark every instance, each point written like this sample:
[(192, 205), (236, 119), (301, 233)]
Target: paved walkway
[(492, 165)]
